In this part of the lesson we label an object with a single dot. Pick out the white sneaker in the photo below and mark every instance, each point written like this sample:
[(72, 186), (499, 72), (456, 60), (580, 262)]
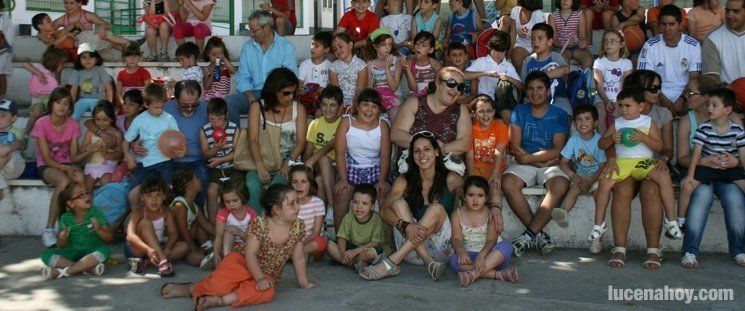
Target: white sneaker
[(596, 238), (672, 230), (49, 237)]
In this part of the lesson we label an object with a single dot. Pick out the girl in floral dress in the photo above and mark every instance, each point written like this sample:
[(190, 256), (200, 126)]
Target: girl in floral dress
[(249, 277)]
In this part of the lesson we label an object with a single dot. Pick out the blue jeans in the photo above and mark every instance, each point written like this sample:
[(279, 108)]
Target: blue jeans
[(82, 106), (256, 188), (238, 105), (200, 169), (731, 198)]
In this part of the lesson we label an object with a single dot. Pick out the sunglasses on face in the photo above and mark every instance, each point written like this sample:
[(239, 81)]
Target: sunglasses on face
[(451, 83), (287, 93), (653, 89), (189, 107)]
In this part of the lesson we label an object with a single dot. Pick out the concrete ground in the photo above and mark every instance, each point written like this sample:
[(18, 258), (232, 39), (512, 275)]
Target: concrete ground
[(565, 280)]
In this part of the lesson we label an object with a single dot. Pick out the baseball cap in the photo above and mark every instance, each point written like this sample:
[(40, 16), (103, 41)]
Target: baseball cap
[(86, 47), (9, 106)]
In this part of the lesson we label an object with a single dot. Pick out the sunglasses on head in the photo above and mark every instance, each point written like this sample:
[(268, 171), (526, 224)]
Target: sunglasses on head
[(451, 83), (653, 89)]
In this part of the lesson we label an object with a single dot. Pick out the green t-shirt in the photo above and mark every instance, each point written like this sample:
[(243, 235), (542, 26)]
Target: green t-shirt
[(82, 235), (361, 233)]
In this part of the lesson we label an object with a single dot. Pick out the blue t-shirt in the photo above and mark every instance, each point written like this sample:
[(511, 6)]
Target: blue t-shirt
[(462, 27), (584, 153), (190, 126), (531, 63), (538, 133), (148, 128)]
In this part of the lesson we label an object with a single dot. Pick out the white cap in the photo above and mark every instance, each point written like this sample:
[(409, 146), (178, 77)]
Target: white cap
[(86, 47)]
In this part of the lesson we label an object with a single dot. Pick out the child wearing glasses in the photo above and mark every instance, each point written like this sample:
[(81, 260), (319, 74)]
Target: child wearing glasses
[(83, 230), (609, 71), (485, 157), (363, 152)]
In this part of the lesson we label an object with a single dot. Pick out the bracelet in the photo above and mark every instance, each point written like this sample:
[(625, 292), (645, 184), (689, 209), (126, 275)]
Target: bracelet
[(495, 205), (401, 225)]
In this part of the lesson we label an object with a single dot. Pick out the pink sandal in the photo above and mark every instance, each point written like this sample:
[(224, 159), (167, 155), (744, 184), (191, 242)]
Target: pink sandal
[(165, 268)]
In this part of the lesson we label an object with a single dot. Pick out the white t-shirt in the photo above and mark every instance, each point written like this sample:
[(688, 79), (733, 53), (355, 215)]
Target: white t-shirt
[(612, 73), (643, 124), (487, 85), (312, 73), (400, 26), (723, 54), (523, 30), (672, 63)]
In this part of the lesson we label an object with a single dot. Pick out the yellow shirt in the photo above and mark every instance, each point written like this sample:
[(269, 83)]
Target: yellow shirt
[(321, 132)]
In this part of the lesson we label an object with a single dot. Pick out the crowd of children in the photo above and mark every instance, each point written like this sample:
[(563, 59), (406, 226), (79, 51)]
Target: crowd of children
[(352, 87)]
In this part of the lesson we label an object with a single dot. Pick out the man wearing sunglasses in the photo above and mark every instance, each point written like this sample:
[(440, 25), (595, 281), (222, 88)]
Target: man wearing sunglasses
[(674, 55), (190, 114), (724, 48), (538, 132), (265, 50)]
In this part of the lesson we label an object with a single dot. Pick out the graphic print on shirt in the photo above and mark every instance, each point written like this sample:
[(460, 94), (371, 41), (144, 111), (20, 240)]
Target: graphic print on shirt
[(483, 149)]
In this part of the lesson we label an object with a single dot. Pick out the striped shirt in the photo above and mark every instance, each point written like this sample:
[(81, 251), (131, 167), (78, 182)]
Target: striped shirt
[(309, 211), (220, 89), (714, 142), (567, 29), (229, 146)]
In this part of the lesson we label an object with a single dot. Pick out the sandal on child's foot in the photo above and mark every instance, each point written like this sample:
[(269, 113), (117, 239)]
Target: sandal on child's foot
[(689, 261), (651, 263), (369, 273), (508, 275), (165, 268), (206, 302), (740, 259), (175, 290), (98, 270), (467, 277), (559, 215), (435, 269), (617, 261)]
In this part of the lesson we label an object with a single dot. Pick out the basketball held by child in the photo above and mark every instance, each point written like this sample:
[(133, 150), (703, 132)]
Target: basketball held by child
[(634, 37), (172, 144)]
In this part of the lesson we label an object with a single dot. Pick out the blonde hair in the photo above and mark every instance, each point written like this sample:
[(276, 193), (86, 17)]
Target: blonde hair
[(624, 52)]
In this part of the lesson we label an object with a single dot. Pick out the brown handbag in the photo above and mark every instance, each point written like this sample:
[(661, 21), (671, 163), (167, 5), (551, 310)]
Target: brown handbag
[(269, 137)]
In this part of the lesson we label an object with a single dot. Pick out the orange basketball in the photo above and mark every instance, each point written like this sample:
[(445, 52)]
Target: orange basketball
[(634, 37), (739, 87)]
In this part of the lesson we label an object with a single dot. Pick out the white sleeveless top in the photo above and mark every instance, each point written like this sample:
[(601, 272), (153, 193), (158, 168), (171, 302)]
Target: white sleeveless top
[(287, 139), (643, 123), (363, 147)]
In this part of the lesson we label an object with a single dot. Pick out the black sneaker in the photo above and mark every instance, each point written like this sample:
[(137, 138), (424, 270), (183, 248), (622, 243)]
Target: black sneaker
[(543, 243), (521, 244)]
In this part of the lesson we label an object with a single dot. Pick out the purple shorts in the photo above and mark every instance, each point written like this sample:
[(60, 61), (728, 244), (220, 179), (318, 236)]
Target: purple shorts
[(504, 247)]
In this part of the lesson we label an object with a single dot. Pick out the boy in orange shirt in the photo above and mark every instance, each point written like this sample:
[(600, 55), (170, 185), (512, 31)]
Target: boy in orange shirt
[(485, 158)]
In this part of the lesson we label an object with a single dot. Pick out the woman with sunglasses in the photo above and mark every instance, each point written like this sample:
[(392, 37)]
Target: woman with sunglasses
[(438, 113), (649, 193), (418, 207), (276, 133)]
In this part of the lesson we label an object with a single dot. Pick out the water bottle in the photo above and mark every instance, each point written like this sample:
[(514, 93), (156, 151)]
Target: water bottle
[(218, 70)]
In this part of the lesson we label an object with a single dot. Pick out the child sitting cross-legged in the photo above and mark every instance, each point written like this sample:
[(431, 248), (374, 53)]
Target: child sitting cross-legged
[(635, 137), (582, 151), (479, 250), (193, 227), (312, 209), (360, 239), (152, 235), (83, 230)]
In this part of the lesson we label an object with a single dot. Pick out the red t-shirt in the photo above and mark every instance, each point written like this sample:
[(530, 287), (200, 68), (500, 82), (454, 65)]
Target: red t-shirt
[(287, 7), (134, 80), (597, 18), (359, 29)]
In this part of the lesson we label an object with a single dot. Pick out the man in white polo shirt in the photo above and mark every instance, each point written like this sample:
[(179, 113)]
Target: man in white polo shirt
[(674, 55), (724, 48)]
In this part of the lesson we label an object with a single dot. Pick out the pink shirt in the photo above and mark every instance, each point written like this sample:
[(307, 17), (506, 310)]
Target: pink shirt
[(38, 89), (60, 143), (199, 4), (308, 212)]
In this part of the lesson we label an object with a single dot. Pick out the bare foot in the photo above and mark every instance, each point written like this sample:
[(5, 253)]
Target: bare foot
[(175, 290), (207, 302)]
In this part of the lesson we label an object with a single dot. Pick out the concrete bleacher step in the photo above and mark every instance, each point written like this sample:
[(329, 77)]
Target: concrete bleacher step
[(24, 208)]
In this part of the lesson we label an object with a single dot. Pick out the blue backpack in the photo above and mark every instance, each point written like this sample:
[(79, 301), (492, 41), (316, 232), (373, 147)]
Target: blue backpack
[(578, 88), (112, 199)]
